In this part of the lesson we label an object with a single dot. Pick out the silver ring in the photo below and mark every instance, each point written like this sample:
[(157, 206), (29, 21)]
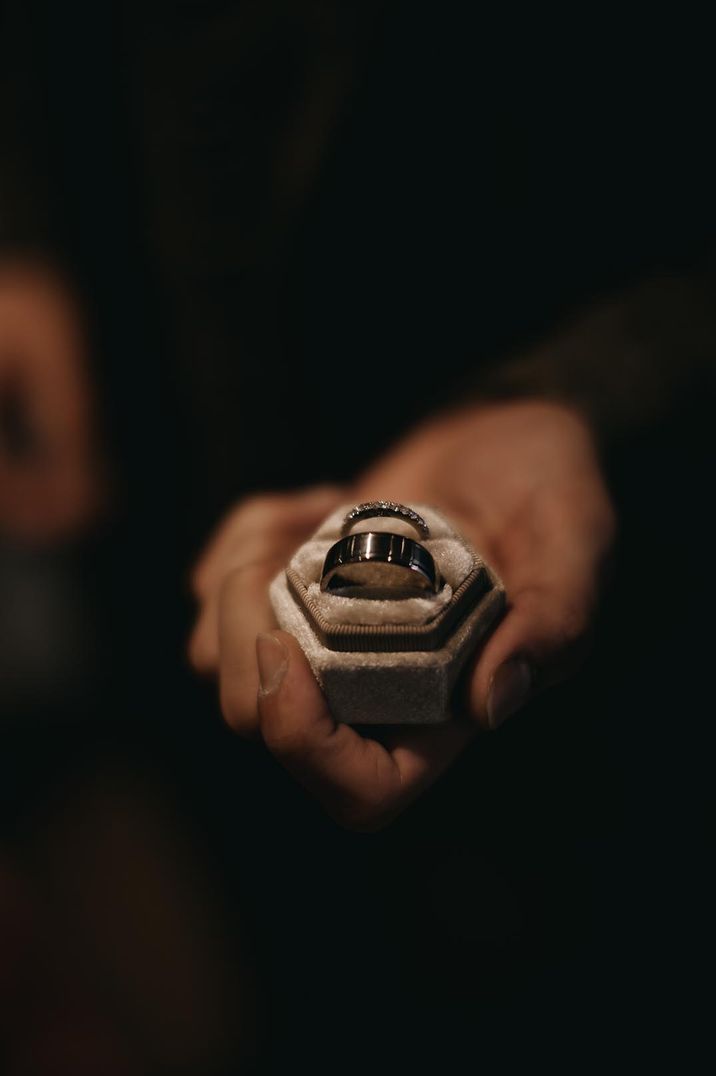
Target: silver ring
[(371, 509), (376, 564)]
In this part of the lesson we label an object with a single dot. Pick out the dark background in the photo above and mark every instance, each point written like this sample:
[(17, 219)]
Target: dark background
[(264, 279)]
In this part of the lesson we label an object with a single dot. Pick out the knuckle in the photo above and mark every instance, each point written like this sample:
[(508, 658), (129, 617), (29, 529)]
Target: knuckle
[(282, 741), (201, 653), (261, 510), (244, 511), (248, 540), (245, 583), (242, 574), (238, 709), (198, 580), (233, 583)]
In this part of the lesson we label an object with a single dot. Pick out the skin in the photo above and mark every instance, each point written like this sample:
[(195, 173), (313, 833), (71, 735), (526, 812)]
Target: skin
[(522, 480), (49, 474)]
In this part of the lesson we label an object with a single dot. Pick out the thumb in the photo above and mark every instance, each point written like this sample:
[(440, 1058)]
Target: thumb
[(351, 775), (293, 713), (541, 641)]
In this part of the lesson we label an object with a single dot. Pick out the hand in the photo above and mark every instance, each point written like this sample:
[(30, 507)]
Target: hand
[(49, 483), (522, 481)]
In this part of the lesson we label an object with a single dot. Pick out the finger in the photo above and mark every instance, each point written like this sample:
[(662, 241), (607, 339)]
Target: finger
[(261, 534), (258, 553), (202, 648), (279, 517), (244, 611), (542, 639), (354, 777)]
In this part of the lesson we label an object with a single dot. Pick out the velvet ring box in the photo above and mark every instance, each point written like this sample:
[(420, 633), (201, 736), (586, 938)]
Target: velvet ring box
[(384, 662)]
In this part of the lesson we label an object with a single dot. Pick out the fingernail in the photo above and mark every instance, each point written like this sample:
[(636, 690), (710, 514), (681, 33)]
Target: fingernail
[(272, 657), (509, 690)]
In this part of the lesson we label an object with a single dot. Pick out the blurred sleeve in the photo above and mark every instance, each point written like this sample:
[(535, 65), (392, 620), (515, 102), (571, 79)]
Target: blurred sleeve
[(605, 220), (627, 361)]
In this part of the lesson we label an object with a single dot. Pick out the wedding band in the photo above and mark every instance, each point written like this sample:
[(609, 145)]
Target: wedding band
[(376, 564), (371, 509)]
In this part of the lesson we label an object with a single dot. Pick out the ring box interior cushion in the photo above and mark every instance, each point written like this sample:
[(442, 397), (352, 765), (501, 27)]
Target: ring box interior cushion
[(389, 661)]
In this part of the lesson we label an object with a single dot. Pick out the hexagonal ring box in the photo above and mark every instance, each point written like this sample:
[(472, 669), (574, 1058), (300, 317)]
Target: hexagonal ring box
[(391, 661)]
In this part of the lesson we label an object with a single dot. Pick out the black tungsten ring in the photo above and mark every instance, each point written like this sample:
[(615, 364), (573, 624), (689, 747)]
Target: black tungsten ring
[(378, 564)]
